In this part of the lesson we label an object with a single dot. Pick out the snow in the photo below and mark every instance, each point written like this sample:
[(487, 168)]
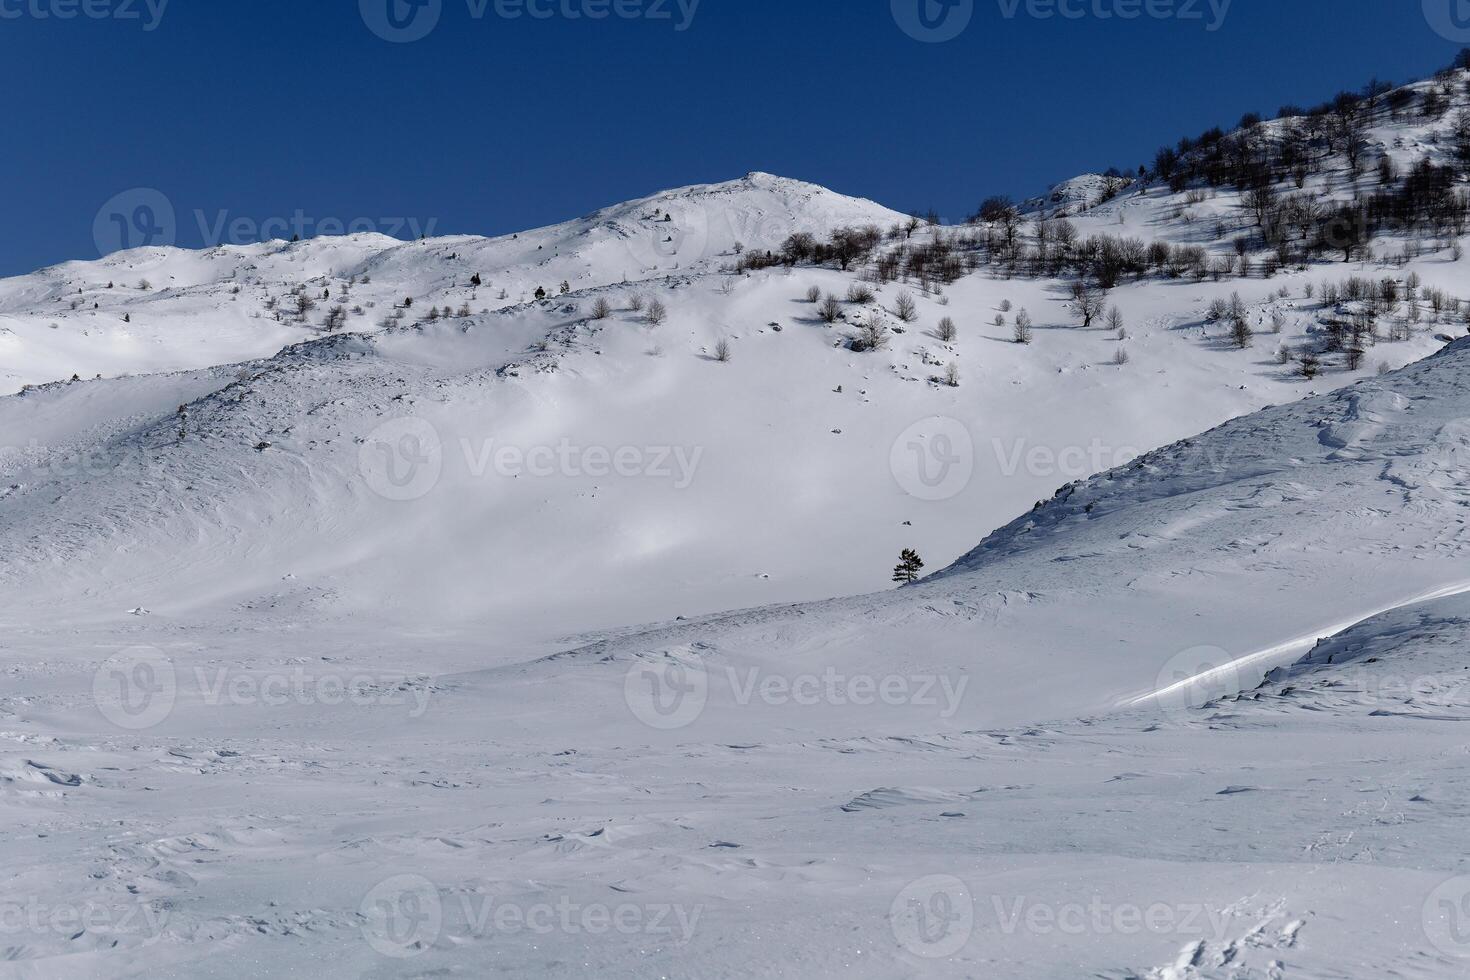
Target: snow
[(503, 643)]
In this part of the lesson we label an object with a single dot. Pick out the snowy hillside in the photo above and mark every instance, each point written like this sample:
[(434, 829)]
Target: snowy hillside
[(1059, 751), (744, 479), (163, 309), (366, 614)]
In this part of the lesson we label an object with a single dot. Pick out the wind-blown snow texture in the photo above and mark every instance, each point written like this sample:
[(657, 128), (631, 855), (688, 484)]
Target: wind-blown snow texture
[(278, 703)]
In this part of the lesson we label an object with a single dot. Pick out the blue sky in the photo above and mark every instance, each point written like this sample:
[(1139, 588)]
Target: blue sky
[(237, 112)]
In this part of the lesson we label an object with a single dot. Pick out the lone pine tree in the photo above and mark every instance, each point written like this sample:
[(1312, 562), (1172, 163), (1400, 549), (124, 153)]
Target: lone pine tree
[(908, 568)]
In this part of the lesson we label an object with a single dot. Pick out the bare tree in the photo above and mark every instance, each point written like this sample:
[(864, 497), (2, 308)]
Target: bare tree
[(722, 351), (1023, 327), (872, 335), (1087, 303), (813, 294), (952, 375), (830, 310), (860, 292), (657, 312), (905, 308), (947, 331), (601, 308), (636, 302)]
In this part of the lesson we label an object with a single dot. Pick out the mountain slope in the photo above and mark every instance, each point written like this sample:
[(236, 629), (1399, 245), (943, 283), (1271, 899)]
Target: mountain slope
[(987, 770), (235, 302)]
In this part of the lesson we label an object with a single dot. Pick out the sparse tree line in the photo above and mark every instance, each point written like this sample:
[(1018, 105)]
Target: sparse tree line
[(1256, 155)]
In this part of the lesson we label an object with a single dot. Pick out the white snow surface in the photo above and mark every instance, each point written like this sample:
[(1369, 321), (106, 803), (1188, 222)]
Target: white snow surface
[(278, 703)]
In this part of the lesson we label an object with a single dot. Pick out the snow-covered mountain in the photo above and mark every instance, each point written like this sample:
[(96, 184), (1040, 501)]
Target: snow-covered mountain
[(405, 647), (716, 782), (762, 466), (164, 309)]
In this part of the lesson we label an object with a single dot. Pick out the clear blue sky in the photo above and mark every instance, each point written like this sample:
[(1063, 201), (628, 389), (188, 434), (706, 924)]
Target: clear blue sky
[(254, 109)]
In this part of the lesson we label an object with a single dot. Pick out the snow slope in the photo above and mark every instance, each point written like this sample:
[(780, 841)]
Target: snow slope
[(324, 660), (209, 307), (953, 779), (769, 461)]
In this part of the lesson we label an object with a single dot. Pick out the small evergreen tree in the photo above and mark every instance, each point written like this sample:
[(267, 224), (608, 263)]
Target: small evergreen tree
[(906, 572)]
